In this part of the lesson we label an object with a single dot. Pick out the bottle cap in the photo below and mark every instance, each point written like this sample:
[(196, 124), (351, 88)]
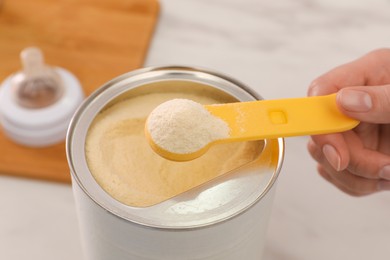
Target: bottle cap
[(36, 104)]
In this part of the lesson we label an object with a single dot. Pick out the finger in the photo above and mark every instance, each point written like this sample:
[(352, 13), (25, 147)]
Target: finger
[(362, 162), (384, 136), (376, 67), (344, 180), (351, 184), (334, 148), (316, 152), (370, 69), (365, 162), (348, 74), (384, 185), (366, 104), (318, 155)]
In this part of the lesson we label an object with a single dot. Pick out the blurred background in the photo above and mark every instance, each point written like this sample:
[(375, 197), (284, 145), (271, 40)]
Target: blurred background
[(274, 47)]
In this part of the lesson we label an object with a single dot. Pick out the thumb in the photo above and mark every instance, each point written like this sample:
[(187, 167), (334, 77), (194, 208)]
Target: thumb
[(369, 104)]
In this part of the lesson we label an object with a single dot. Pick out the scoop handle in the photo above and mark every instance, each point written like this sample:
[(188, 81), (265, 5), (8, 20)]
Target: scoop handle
[(283, 117)]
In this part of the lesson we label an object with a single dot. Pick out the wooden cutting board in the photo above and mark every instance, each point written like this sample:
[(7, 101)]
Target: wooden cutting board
[(97, 40)]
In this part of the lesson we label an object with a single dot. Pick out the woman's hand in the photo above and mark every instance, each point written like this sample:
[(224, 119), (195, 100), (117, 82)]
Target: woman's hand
[(357, 161)]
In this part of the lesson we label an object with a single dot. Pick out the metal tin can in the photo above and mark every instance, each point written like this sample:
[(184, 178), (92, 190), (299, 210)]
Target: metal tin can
[(225, 218)]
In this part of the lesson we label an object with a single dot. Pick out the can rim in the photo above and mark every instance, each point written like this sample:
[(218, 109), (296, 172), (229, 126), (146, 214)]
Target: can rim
[(75, 120)]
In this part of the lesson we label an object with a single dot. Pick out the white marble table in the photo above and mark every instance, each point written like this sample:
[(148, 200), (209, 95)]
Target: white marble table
[(277, 48)]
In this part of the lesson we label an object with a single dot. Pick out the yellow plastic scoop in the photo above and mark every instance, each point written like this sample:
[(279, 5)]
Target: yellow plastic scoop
[(257, 120)]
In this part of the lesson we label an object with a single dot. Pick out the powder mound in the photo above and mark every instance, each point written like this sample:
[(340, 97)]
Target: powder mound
[(183, 126)]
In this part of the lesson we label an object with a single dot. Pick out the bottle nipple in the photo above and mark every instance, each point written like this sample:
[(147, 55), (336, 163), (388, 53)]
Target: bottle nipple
[(38, 85)]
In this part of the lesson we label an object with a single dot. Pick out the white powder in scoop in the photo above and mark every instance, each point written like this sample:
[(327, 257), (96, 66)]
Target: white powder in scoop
[(183, 126)]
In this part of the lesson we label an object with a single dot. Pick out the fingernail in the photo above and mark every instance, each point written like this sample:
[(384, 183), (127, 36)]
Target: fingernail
[(385, 172), (383, 185), (313, 90), (332, 156), (355, 100)]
